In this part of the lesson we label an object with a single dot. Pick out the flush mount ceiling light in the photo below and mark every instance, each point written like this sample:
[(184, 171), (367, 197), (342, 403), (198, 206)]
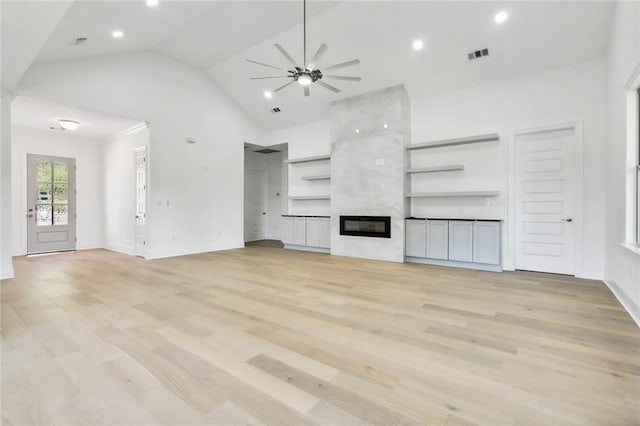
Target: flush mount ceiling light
[(69, 124), (501, 17), (117, 34), (417, 44), (307, 73), (152, 3)]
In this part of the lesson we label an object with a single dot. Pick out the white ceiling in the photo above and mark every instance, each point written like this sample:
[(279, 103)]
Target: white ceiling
[(220, 36), (41, 114)]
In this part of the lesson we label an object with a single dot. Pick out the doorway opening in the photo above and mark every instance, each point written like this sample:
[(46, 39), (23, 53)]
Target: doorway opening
[(264, 179)]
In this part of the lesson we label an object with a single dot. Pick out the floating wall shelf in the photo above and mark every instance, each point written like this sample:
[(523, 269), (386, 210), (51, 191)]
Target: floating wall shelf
[(453, 194), (318, 177), (309, 197), (435, 169), (457, 141), (308, 159)]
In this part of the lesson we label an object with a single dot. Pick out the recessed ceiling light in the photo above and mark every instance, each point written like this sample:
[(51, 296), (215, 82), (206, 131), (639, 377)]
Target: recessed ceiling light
[(69, 124), (268, 94), (357, 130), (152, 3), (417, 44), (117, 33), (385, 125), (501, 17)]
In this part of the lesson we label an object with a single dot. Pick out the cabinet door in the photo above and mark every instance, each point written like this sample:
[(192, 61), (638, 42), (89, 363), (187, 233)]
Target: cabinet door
[(438, 239), (415, 240), (313, 232), (486, 242), (300, 231), (461, 240), (288, 230), (325, 232)]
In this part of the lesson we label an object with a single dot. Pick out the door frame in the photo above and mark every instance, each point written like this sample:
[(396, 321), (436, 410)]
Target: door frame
[(578, 193), (145, 252)]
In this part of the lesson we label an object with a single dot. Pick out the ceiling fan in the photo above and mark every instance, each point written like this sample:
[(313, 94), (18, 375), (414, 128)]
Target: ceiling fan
[(308, 73)]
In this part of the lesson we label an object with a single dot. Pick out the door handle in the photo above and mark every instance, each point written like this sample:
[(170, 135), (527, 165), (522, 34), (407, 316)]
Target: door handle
[(264, 212), (568, 219), (29, 215)]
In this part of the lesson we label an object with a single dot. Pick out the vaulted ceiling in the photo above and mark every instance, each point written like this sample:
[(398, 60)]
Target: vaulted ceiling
[(218, 37)]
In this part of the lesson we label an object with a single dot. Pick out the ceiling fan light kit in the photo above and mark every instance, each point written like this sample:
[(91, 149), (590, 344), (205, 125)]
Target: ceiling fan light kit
[(308, 73)]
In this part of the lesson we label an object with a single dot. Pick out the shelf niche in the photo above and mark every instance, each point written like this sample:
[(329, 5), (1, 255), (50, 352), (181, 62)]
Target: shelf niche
[(491, 137)]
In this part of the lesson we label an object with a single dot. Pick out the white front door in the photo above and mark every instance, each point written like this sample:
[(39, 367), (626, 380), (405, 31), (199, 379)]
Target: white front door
[(51, 204), (544, 167), (255, 205), (141, 201)]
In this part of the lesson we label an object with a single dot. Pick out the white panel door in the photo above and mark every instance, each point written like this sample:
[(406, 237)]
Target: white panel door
[(461, 240), (438, 239), (141, 201), (51, 204), (255, 205), (415, 240), (544, 204)]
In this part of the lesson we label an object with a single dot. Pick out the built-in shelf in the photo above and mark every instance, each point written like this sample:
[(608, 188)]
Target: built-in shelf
[(317, 177), (457, 141), (435, 169), (308, 159), (310, 197), (453, 194)]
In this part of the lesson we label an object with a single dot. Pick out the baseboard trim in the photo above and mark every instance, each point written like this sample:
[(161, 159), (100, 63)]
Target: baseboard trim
[(454, 264), (7, 275), (306, 248), (120, 249), (195, 250), (632, 309)]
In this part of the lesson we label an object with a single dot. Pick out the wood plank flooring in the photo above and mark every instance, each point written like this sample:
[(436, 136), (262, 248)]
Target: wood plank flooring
[(267, 336)]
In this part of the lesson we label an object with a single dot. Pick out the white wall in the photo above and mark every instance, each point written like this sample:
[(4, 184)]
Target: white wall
[(622, 266), (194, 188), (570, 94), (119, 190), (6, 266), (87, 153)]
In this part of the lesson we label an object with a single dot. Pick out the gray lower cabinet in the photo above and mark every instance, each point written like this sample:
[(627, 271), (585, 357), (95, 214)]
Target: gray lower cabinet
[(318, 232), (294, 230), (438, 239), (486, 242), (415, 238), (461, 240)]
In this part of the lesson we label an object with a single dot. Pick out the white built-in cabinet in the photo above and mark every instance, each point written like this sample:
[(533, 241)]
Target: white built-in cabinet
[(437, 239), (306, 232), (415, 239), (465, 243), (461, 240)]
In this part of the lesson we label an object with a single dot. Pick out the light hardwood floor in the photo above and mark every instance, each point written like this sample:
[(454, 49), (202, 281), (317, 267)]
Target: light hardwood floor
[(267, 336)]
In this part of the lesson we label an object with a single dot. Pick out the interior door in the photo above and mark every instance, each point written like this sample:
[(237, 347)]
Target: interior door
[(51, 204), (544, 204), (255, 205), (141, 201)]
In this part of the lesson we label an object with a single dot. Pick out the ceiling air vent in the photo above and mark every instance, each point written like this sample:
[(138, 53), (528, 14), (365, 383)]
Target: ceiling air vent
[(478, 54), (266, 151), (275, 110), (78, 41)]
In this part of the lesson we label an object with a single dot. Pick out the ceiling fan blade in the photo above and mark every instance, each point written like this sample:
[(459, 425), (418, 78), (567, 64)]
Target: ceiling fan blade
[(265, 65), (306, 90), (282, 87), (328, 86), (342, 77), (285, 54), (275, 76), (314, 61), (343, 65)]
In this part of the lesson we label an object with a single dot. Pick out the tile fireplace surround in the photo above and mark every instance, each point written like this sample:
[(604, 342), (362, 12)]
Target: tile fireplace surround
[(368, 157)]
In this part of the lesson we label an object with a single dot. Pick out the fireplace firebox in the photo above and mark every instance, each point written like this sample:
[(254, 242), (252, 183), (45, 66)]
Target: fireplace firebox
[(366, 226)]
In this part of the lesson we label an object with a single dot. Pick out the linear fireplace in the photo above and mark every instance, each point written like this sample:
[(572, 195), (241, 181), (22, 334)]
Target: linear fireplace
[(366, 226)]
